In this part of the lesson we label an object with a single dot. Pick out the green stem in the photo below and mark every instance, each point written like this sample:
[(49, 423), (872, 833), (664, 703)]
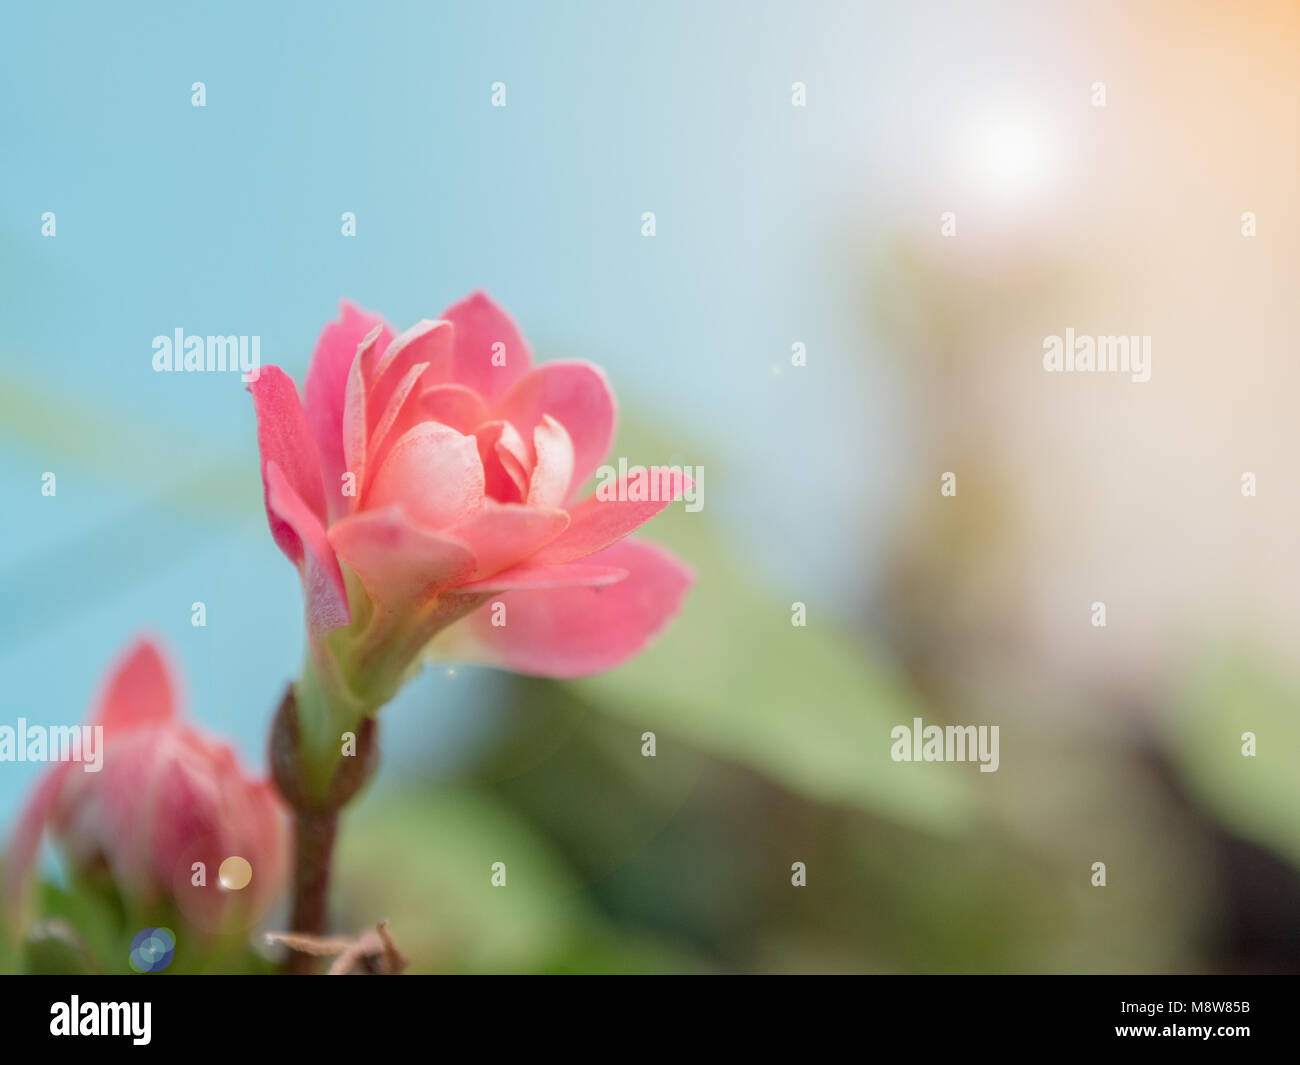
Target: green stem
[(315, 816), (313, 855)]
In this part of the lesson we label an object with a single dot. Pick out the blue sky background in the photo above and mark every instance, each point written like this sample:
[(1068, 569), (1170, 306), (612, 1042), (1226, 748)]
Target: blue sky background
[(225, 220)]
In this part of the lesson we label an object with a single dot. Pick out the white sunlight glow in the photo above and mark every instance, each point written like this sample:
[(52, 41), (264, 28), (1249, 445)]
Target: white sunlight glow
[(1011, 155)]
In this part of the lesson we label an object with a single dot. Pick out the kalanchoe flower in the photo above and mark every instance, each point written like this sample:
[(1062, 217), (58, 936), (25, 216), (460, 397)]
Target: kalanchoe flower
[(432, 474), (165, 797)]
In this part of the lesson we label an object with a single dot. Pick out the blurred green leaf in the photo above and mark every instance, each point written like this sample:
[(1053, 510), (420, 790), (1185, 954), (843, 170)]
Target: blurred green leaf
[(1258, 796), (423, 860), (808, 706), (53, 947)]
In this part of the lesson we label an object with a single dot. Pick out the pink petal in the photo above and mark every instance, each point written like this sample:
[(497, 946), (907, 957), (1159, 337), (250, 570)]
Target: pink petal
[(284, 438), (425, 342), (433, 473), (573, 632), (549, 484), (110, 814), (322, 580), (401, 564), (529, 576), (501, 534), (357, 416), (399, 417), (505, 462), (327, 377), (479, 325), (140, 690), (454, 405), (596, 523), (185, 814), (576, 395), (203, 808)]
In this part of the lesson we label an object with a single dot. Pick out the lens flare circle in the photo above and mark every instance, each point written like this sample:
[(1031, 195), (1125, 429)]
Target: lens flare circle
[(152, 950)]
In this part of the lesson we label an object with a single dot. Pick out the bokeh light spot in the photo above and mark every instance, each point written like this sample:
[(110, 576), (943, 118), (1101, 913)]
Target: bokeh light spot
[(235, 873)]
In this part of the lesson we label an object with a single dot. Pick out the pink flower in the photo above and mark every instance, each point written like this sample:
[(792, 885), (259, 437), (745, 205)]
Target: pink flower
[(165, 797), (432, 475)]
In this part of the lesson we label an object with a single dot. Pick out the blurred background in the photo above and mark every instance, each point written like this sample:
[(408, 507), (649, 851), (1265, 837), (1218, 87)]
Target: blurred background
[(775, 225)]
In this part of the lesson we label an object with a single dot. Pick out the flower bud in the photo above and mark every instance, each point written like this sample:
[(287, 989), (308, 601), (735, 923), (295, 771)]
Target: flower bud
[(170, 815)]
